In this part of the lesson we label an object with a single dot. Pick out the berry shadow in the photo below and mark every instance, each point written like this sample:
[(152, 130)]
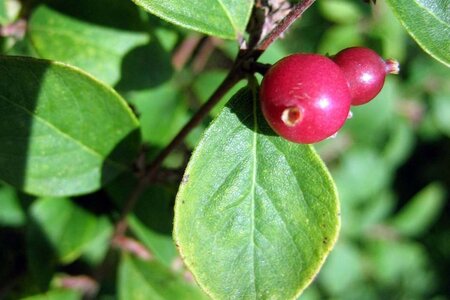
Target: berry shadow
[(246, 106)]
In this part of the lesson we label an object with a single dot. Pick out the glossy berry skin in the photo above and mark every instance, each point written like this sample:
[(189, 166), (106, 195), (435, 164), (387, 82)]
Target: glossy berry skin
[(365, 71), (305, 98)]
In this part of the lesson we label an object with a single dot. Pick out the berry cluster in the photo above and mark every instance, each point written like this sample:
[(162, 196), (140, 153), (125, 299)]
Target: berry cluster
[(306, 98)]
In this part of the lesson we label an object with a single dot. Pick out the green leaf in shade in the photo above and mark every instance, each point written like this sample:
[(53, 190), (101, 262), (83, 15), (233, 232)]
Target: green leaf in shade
[(58, 232), (256, 215), (428, 22), (57, 294), (339, 37), (162, 112), (341, 11), (62, 132), (401, 265), (222, 18), (144, 280), (421, 211), (11, 210), (96, 250), (205, 84), (67, 227), (151, 220), (92, 47)]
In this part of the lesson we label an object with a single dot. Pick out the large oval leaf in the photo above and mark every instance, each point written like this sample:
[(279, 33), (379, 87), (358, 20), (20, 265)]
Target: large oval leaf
[(428, 22), (255, 215), (95, 48), (222, 18), (61, 131)]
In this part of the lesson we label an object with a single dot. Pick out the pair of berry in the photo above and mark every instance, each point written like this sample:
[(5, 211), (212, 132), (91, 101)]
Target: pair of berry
[(306, 98)]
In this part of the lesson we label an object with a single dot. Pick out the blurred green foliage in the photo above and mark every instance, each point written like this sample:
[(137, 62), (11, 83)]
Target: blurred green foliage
[(391, 161)]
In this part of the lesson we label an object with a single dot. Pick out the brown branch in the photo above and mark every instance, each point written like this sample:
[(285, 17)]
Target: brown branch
[(184, 51), (296, 12), (233, 77)]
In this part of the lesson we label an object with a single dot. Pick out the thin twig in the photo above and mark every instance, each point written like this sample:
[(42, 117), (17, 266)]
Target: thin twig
[(295, 13), (233, 77)]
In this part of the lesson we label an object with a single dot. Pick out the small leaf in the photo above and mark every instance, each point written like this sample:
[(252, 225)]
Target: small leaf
[(341, 11), (140, 279), (94, 48), (428, 22), (255, 215), (421, 211), (11, 212), (162, 112), (9, 10), (67, 227), (57, 294), (94, 253), (343, 269), (151, 219), (58, 232), (222, 18), (62, 132)]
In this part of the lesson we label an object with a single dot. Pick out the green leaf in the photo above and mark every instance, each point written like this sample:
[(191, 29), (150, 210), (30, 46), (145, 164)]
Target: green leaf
[(441, 110), (428, 22), (162, 112), (401, 265), (255, 215), (343, 269), (140, 279), (340, 11), (421, 211), (9, 10), (205, 84), (151, 219), (362, 174), (11, 212), (94, 252), (57, 294), (92, 47), (61, 131), (3, 12), (67, 228), (222, 18), (339, 37)]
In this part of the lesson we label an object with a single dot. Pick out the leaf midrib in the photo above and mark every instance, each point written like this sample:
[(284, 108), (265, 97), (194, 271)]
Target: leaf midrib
[(431, 13), (253, 187)]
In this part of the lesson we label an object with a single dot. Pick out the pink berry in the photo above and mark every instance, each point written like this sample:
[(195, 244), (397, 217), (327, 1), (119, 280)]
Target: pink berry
[(365, 71), (305, 98)]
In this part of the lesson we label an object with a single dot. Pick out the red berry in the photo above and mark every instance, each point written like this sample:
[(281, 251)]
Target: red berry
[(365, 71), (305, 98)]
